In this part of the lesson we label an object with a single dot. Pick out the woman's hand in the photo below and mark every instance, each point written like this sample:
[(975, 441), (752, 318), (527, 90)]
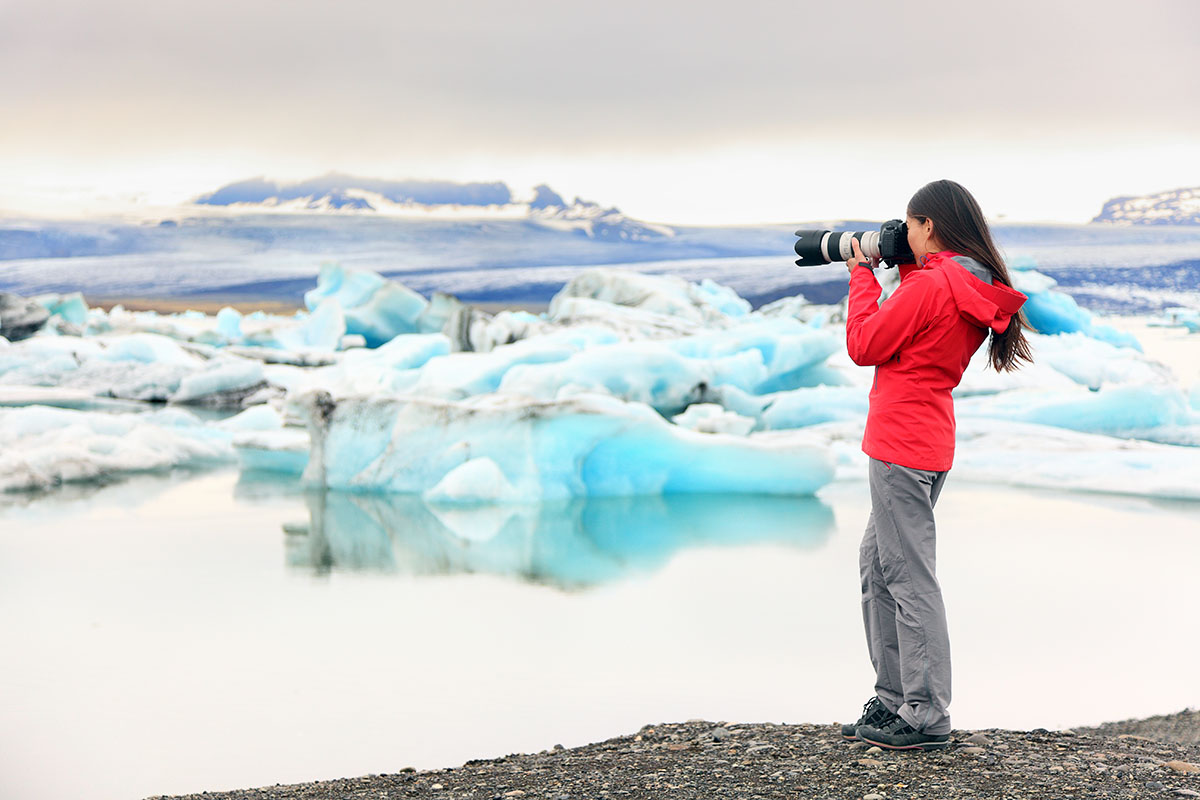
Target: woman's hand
[(858, 259)]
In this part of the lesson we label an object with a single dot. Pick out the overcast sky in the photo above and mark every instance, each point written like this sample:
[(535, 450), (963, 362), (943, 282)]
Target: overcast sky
[(674, 111)]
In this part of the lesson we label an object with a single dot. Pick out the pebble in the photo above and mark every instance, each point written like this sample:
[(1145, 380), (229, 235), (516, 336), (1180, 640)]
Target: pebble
[(870, 762), (720, 734), (972, 751), (872, 796), (437, 786), (1155, 786), (1182, 767), (1187, 793), (979, 739), (1056, 768), (874, 750)]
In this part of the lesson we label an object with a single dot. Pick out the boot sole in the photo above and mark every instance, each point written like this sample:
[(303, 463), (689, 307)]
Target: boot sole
[(918, 746)]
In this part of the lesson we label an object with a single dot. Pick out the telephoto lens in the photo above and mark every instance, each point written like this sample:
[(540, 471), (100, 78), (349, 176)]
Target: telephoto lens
[(889, 243)]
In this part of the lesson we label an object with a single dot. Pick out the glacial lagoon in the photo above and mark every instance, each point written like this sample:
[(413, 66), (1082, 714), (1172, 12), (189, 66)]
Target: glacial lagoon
[(215, 630)]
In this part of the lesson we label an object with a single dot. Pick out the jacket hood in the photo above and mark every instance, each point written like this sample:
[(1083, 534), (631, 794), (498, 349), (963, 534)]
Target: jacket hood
[(986, 305)]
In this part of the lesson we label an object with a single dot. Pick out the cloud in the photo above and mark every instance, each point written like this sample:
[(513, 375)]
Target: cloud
[(619, 74)]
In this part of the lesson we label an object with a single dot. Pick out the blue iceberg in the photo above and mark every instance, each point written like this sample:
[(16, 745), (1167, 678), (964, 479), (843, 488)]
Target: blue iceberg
[(582, 446), (1052, 312)]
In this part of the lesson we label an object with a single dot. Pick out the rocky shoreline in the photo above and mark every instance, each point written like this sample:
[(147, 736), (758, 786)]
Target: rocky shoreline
[(1157, 757)]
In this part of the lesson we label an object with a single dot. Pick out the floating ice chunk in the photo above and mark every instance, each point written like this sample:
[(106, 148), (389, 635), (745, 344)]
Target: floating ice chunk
[(71, 307), (584, 445), (223, 382), (323, 330), (458, 375), (277, 355), (143, 366), (1178, 317), (712, 418), (788, 350), (229, 324), (146, 348), (1062, 361), (1131, 410), (755, 357), (373, 306), (1035, 456), (811, 406), (1194, 397), (284, 450), (58, 397), (626, 322), (478, 480), (708, 302), (42, 447), (643, 372), (20, 318), (1020, 454), (1094, 363), (1052, 312), (442, 308), (262, 417), (980, 378), (720, 297), (508, 327), (799, 308)]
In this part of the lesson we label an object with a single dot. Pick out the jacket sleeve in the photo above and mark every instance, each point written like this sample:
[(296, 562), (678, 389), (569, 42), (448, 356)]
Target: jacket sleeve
[(874, 333)]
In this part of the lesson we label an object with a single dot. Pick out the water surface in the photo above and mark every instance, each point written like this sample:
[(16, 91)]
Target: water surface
[(205, 631)]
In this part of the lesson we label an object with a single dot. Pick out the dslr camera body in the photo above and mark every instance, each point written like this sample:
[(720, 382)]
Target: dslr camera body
[(889, 244)]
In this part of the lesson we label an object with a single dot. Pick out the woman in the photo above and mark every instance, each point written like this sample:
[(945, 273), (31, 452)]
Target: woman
[(920, 341)]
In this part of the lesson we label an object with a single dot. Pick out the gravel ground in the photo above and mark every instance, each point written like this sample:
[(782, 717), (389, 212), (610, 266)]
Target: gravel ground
[(1157, 757)]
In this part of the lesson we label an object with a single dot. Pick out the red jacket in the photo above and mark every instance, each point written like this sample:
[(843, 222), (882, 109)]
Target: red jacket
[(920, 342)]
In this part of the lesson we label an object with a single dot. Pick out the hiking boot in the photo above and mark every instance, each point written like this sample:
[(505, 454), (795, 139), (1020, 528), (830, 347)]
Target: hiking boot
[(874, 713), (896, 734)]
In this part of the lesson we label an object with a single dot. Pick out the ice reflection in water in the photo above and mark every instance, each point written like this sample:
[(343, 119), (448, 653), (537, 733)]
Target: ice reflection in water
[(569, 544)]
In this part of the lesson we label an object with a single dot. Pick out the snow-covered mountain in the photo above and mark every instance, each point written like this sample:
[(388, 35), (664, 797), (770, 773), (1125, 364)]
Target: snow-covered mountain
[(425, 199), (1174, 207)]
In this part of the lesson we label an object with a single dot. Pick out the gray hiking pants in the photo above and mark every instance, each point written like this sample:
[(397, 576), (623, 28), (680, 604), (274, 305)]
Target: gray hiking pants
[(902, 605)]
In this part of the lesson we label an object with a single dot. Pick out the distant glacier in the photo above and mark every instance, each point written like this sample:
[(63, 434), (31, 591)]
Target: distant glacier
[(259, 239)]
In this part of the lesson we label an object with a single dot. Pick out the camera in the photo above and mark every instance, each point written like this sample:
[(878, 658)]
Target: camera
[(889, 244)]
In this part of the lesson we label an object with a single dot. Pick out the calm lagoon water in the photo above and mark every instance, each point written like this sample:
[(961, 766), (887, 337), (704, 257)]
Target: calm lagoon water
[(209, 631)]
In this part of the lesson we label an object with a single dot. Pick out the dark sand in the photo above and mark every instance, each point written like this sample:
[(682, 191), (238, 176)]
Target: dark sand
[(1155, 757)]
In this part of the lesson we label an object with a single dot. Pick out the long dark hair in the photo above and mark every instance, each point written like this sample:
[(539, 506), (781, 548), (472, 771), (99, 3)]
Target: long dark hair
[(958, 224)]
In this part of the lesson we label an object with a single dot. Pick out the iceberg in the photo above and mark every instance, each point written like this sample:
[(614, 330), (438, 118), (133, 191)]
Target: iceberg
[(465, 374), (585, 445), (1051, 312), (42, 447), (801, 408), (283, 451), (229, 324), (142, 366), (671, 374), (705, 303), (373, 307), (71, 308), (1001, 452), (713, 418), (20, 318), (1131, 410)]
